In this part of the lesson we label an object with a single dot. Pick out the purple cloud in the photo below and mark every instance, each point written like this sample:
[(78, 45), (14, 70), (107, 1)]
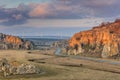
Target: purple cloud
[(12, 16), (59, 9)]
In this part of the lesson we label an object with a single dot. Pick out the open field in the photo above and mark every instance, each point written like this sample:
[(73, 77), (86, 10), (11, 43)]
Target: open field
[(60, 67)]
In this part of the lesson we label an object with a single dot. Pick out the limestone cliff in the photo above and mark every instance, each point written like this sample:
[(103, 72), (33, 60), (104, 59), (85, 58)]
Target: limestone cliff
[(14, 42), (104, 39)]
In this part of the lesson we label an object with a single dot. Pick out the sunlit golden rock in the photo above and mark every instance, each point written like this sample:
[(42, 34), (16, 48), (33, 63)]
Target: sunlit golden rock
[(107, 35)]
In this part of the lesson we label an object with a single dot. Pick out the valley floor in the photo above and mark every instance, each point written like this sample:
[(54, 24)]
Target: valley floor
[(60, 67)]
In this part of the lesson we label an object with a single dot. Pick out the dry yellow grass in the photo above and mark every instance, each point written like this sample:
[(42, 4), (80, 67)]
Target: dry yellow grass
[(19, 55), (57, 69)]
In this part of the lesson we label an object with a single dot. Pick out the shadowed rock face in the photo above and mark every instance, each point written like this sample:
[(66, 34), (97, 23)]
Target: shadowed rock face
[(104, 39), (13, 42)]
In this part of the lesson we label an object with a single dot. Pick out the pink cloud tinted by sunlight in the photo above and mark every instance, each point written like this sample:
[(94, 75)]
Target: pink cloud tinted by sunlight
[(37, 14)]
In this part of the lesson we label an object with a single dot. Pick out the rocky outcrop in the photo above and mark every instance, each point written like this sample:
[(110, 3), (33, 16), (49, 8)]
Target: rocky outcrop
[(16, 68), (14, 42), (103, 39), (60, 44)]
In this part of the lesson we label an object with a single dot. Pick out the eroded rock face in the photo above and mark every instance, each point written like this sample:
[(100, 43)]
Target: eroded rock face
[(103, 39), (13, 42)]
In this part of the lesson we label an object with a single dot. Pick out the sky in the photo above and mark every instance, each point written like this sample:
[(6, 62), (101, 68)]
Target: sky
[(55, 17)]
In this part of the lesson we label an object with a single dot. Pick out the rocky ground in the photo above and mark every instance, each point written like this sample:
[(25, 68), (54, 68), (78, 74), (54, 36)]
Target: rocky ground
[(60, 67)]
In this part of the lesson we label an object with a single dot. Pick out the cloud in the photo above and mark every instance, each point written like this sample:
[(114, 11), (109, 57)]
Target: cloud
[(103, 8), (40, 10), (59, 9), (12, 16), (99, 3), (69, 9), (92, 8), (52, 10), (88, 22)]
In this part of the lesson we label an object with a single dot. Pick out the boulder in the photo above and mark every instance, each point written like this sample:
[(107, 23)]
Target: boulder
[(106, 51), (27, 69), (15, 68)]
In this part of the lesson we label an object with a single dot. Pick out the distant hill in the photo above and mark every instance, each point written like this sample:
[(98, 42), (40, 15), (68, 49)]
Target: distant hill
[(46, 37)]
